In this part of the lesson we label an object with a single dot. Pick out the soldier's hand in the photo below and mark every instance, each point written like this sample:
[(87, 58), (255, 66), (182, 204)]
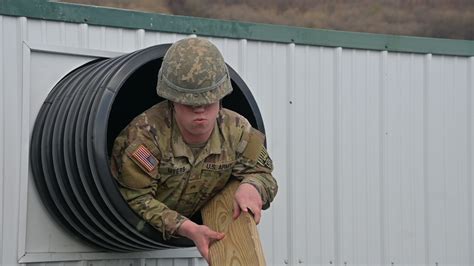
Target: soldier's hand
[(201, 235), (247, 199)]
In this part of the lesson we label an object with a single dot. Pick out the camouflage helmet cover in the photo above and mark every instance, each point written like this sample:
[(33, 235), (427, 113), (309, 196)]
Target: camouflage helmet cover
[(193, 72)]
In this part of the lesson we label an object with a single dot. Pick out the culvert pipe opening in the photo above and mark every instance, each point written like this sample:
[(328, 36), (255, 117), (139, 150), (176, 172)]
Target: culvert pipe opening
[(74, 134)]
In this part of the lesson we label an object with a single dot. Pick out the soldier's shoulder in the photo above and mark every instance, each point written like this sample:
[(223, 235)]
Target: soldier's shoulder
[(233, 126), (233, 120), (146, 124), (158, 113)]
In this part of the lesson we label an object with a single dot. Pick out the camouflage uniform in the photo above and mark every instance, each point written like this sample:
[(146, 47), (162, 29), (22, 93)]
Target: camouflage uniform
[(157, 171), (173, 184)]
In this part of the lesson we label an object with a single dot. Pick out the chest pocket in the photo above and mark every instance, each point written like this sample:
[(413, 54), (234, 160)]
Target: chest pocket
[(216, 175)]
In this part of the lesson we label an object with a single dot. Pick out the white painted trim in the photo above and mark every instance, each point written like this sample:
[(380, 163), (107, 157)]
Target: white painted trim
[(57, 49), (24, 139), (24, 151), (63, 257)]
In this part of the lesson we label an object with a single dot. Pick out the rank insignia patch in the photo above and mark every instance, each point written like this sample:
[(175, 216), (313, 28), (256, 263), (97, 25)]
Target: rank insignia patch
[(145, 158)]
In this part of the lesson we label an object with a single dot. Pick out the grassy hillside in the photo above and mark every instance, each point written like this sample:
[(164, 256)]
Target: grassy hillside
[(430, 18)]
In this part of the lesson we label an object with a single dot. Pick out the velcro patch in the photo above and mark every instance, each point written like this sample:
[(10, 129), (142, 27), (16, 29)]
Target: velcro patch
[(254, 146), (264, 159), (145, 158)]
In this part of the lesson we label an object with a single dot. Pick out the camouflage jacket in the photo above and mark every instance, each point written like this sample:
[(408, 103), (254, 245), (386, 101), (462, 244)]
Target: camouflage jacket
[(163, 182)]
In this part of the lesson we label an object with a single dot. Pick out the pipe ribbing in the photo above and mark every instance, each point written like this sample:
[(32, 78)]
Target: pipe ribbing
[(72, 138)]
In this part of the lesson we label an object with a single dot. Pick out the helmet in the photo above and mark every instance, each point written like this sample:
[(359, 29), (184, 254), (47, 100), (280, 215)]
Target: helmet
[(193, 73)]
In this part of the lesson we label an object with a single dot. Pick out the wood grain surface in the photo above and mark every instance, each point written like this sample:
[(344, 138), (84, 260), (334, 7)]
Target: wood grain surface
[(241, 244)]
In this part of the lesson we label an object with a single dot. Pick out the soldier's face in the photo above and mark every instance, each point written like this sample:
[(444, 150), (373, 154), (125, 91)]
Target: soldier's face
[(196, 122)]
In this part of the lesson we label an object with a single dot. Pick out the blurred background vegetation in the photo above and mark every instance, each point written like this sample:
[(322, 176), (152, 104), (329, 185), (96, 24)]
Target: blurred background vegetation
[(452, 19)]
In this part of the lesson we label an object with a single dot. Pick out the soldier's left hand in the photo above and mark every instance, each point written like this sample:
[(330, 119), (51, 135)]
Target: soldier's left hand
[(247, 199)]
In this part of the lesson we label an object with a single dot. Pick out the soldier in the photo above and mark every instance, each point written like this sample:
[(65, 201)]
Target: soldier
[(170, 160)]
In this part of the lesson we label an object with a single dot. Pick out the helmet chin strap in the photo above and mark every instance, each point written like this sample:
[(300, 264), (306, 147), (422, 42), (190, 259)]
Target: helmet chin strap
[(171, 106)]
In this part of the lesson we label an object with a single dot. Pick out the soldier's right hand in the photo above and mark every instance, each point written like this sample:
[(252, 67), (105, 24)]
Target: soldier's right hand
[(201, 235)]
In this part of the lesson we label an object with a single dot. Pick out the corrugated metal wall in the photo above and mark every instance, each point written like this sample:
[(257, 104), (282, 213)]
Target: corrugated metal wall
[(372, 149)]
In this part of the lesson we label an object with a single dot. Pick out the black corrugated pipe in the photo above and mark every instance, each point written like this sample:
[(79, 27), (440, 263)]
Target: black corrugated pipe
[(73, 136)]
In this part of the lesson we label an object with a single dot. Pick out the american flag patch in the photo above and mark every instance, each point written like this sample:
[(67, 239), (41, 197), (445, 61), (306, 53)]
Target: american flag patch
[(145, 158)]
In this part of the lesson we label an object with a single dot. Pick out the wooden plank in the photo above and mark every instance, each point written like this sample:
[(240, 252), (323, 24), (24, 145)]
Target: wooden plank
[(241, 244)]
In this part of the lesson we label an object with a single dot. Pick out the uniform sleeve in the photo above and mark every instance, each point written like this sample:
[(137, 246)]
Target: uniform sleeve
[(134, 164), (254, 166)]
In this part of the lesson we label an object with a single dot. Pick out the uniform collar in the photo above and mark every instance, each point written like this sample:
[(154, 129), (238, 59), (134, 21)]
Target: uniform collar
[(215, 141), (180, 148)]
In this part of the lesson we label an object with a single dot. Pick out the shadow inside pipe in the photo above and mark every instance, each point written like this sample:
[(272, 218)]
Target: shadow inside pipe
[(138, 94)]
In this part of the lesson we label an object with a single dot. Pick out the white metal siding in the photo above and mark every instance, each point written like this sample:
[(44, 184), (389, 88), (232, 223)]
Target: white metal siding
[(372, 150), (11, 134)]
